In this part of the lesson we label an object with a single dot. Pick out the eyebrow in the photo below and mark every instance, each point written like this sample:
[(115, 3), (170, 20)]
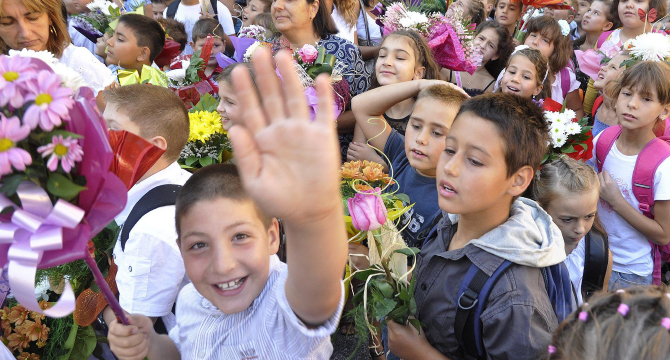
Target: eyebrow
[(437, 124), (387, 49)]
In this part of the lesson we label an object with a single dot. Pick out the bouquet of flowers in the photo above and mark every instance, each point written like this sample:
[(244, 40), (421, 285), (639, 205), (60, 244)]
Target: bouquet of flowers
[(370, 213), (569, 136), (57, 191), (70, 78), (101, 17), (188, 79), (24, 332), (255, 32), (449, 37), (207, 141)]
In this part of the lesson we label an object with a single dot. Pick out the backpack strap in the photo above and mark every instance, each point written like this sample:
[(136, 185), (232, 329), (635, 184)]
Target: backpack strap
[(604, 145), (565, 81), (172, 9), (603, 37), (216, 10), (163, 195), (648, 161), (559, 289), (596, 258), (596, 105), (472, 297)]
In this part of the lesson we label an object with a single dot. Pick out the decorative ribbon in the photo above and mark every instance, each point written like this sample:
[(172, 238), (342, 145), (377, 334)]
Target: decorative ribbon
[(150, 75), (324, 63), (139, 10), (34, 229)]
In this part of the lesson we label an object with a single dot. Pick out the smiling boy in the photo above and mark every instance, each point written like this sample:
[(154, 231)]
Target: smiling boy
[(492, 150), (244, 303)]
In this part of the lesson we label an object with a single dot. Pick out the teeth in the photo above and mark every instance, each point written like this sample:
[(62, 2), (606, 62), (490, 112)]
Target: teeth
[(448, 189), (231, 285)]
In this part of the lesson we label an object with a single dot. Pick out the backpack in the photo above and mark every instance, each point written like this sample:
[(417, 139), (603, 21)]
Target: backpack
[(596, 259), (160, 196), (172, 8), (649, 159), (474, 292)]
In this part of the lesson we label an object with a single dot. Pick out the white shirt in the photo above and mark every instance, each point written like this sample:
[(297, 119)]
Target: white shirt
[(375, 29), (631, 250), (345, 32), (575, 264), (151, 270), (557, 92), (268, 329), (190, 14), (96, 75)]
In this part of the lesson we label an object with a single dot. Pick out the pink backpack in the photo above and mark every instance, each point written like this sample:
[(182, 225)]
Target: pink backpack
[(649, 159)]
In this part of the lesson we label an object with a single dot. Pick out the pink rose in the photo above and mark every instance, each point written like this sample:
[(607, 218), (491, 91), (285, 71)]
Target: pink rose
[(367, 210), (308, 53)]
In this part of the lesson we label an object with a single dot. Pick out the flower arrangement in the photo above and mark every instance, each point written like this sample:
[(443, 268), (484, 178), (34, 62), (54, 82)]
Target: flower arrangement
[(255, 32), (24, 332), (188, 78), (387, 293), (207, 142), (450, 37), (568, 135), (649, 46), (101, 18), (70, 78)]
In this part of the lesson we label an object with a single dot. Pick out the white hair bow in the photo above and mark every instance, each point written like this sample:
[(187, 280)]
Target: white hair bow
[(565, 27)]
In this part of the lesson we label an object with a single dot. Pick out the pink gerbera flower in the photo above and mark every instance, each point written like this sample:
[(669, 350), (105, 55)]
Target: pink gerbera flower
[(52, 102), (11, 132), (15, 72), (66, 151)]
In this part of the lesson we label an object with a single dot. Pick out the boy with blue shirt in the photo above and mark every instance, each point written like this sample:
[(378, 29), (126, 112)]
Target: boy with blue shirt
[(413, 157), (243, 303)]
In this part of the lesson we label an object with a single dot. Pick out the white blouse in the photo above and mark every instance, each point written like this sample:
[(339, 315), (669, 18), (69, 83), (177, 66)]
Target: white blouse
[(95, 74)]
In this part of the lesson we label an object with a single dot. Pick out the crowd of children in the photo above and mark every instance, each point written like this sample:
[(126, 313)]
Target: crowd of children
[(494, 220)]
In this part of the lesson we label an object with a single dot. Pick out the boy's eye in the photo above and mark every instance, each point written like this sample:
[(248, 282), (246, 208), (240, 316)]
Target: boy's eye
[(437, 134), (198, 246), (475, 162), (526, 77), (566, 220), (590, 216), (240, 236), (449, 151), (416, 127)]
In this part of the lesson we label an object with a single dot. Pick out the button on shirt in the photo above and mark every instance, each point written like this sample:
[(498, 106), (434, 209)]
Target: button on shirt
[(268, 329), (151, 270)]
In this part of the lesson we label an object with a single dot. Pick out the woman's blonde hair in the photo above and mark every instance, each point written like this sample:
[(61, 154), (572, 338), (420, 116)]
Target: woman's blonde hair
[(59, 38), (347, 8)]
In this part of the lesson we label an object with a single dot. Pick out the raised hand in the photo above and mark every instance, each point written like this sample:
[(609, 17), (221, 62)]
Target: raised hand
[(289, 165), (130, 342)]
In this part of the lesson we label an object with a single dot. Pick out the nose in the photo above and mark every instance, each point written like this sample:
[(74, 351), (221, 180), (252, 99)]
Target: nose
[(278, 5), (580, 228), (221, 109), (633, 102), (23, 28), (452, 166), (422, 136), (110, 42), (224, 260)]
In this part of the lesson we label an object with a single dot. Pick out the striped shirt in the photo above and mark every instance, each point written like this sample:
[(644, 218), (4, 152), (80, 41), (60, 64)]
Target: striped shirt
[(268, 329)]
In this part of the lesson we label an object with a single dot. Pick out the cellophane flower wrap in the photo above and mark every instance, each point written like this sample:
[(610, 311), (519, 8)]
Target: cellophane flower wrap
[(450, 37), (189, 81), (57, 191), (371, 211), (310, 61), (568, 135), (207, 141)]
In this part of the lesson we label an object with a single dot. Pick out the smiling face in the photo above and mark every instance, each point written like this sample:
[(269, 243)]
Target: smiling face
[(253, 8), (487, 42), (424, 138), (595, 18), (541, 43), (122, 48), (638, 108), (217, 48), (22, 28), (396, 61), (521, 78), (628, 12), (294, 15), (574, 214), (228, 109), (508, 12), (472, 172), (226, 251), (609, 72)]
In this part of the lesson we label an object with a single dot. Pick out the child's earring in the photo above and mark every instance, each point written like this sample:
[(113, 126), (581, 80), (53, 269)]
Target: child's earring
[(52, 29)]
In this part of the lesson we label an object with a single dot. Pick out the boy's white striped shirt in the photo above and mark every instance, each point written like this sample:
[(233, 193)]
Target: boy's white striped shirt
[(268, 329)]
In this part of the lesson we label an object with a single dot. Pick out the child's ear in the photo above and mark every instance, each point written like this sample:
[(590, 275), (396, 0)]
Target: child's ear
[(159, 142), (570, 19), (666, 112), (538, 90), (419, 73), (608, 25), (144, 55), (274, 237), (521, 180)]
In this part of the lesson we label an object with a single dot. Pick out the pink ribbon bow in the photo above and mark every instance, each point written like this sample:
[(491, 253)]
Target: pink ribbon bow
[(35, 228)]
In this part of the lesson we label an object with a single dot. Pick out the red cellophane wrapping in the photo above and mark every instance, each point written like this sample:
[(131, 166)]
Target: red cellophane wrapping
[(170, 51), (133, 156), (190, 94)]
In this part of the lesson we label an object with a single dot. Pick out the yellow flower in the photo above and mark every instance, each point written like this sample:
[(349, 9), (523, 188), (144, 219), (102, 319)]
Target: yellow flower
[(351, 170), (203, 125), (373, 171), (362, 187)]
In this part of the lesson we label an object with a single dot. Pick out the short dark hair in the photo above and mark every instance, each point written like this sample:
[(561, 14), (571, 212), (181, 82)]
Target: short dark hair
[(210, 183), (157, 111), (323, 22), (204, 27), (147, 31), (520, 123), (176, 30)]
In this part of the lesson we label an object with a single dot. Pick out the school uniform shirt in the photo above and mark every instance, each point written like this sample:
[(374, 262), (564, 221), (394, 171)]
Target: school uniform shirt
[(631, 251), (422, 192), (575, 264), (268, 329), (151, 270), (518, 320), (190, 14)]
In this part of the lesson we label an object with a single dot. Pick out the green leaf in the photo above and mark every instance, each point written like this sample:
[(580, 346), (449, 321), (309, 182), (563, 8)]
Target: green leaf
[(63, 133), (61, 187), (94, 287), (69, 343), (206, 161), (407, 251), (416, 323), (190, 160), (11, 183), (84, 345), (207, 103), (404, 294), (365, 274), (383, 308), (403, 197), (385, 288), (412, 306)]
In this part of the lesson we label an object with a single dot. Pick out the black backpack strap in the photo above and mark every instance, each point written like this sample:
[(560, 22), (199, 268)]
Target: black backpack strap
[(163, 195), (472, 297), (216, 11), (596, 258), (172, 9)]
